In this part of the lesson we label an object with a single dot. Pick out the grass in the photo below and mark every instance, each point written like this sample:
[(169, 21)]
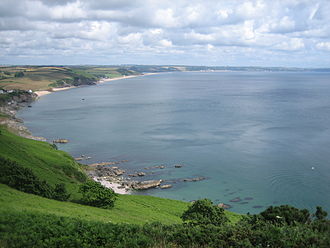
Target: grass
[(52, 165), (132, 209)]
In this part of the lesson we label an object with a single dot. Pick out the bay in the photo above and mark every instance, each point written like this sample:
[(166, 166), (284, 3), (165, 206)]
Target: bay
[(259, 138)]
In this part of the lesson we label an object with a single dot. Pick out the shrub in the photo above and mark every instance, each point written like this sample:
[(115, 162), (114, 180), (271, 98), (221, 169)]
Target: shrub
[(285, 214), (19, 74), (94, 194), (203, 212), (23, 179), (60, 193)]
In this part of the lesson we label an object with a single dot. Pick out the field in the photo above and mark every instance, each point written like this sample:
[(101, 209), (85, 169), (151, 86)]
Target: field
[(45, 77)]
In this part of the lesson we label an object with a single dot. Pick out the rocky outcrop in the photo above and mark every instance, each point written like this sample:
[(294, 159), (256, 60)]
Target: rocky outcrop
[(103, 171), (61, 141), (225, 206), (146, 184), (178, 166), (108, 163)]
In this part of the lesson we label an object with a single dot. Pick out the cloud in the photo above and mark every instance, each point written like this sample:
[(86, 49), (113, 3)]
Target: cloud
[(230, 32)]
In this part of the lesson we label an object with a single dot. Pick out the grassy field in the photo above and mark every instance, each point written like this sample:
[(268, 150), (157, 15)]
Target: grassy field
[(47, 163), (56, 166), (46, 77)]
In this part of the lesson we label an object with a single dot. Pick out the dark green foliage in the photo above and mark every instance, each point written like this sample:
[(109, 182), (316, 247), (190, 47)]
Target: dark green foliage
[(23, 179), (19, 74), (203, 212), (320, 214), (37, 230), (54, 146), (60, 193), (285, 214), (94, 194)]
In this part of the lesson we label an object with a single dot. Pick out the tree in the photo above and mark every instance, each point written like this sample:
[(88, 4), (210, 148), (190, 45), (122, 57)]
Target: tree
[(94, 194), (320, 214), (60, 192), (19, 74), (285, 214), (203, 212)]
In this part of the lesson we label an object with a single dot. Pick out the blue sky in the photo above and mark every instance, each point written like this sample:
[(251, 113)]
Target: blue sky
[(292, 33)]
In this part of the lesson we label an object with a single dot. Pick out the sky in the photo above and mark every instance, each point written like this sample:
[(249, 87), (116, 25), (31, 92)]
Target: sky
[(293, 33)]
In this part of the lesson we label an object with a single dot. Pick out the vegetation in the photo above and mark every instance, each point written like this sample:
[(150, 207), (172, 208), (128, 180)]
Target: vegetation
[(45, 230), (23, 179), (94, 194), (45, 77), (203, 212)]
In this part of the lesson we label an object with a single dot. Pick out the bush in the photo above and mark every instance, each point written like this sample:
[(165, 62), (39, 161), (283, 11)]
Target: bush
[(94, 194), (19, 74), (203, 212), (23, 179), (285, 214), (60, 193)]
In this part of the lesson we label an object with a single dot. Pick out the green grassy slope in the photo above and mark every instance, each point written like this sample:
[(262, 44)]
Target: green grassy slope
[(56, 166), (128, 208), (48, 164)]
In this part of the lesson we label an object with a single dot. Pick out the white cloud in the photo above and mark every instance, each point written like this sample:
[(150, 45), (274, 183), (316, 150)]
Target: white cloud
[(323, 46), (240, 31)]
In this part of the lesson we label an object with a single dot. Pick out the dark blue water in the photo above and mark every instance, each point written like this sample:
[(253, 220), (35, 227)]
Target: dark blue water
[(262, 136)]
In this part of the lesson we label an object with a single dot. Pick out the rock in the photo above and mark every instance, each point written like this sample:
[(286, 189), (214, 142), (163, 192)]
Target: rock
[(78, 159), (141, 174), (155, 167), (195, 179), (178, 165), (225, 206), (102, 171), (109, 163), (146, 184), (62, 141), (237, 199), (165, 186)]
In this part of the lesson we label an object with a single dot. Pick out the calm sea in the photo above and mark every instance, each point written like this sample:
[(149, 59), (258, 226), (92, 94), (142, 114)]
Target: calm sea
[(259, 138)]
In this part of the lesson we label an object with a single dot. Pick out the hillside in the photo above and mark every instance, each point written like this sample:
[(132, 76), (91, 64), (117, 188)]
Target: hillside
[(46, 77)]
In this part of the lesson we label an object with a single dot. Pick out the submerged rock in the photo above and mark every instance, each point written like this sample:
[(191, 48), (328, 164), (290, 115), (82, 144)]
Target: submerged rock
[(237, 199), (155, 167), (195, 179)]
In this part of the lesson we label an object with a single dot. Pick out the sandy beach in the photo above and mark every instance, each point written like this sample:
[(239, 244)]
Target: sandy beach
[(116, 187), (46, 92)]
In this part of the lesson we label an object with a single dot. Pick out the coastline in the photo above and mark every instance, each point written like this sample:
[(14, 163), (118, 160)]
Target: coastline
[(41, 93), (17, 125)]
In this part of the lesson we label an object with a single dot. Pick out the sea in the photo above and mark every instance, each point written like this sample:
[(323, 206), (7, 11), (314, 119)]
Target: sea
[(257, 138)]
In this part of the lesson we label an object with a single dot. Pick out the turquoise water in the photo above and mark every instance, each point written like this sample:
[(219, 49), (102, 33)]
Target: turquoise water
[(261, 136)]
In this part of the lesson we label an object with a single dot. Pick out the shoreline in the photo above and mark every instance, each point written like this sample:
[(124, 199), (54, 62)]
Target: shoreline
[(41, 93), (17, 126)]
